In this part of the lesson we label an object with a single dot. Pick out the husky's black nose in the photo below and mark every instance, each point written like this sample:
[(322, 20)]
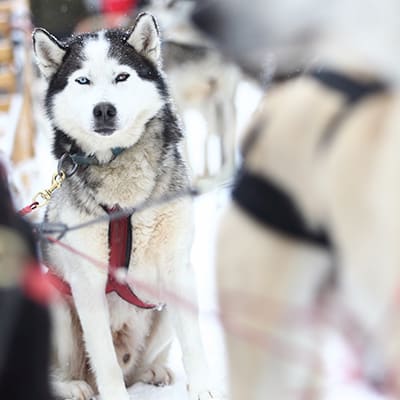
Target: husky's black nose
[(104, 117)]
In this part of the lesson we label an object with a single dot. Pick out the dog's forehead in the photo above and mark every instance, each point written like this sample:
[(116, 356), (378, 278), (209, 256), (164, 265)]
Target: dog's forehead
[(96, 48), (80, 49), (96, 55), (105, 49)]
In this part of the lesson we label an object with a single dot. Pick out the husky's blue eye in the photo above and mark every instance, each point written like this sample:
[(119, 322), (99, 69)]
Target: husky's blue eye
[(121, 77), (82, 80)]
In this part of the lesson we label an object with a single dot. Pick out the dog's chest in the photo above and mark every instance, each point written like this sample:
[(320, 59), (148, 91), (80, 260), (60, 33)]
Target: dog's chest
[(124, 186)]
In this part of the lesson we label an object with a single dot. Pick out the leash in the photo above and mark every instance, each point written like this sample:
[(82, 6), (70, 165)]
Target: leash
[(28, 209), (63, 171), (44, 196)]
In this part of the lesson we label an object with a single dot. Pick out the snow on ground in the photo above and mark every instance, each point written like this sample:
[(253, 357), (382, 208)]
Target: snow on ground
[(207, 212)]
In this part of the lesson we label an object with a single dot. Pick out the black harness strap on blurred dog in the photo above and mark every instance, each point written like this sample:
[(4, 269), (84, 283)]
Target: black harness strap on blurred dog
[(270, 205), (352, 90), (267, 202)]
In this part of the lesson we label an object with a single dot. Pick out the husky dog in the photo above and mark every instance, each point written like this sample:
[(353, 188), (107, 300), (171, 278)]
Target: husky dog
[(106, 91), (200, 76), (318, 198)]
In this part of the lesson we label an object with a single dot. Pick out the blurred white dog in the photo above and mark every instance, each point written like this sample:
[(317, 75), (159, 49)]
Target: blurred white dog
[(318, 196), (200, 76)]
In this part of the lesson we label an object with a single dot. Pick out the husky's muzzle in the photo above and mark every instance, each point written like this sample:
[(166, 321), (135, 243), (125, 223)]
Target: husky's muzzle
[(104, 116)]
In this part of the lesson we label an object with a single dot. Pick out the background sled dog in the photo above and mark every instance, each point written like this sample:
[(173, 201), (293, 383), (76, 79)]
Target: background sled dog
[(200, 76), (322, 152), (108, 104)]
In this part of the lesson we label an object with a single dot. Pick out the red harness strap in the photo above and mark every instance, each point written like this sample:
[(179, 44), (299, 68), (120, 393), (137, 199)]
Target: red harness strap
[(120, 245)]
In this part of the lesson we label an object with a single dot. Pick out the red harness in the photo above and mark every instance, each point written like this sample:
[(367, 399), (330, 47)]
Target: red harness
[(120, 245)]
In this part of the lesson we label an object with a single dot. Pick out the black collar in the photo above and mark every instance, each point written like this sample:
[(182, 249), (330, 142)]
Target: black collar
[(69, 162), (84, 159)]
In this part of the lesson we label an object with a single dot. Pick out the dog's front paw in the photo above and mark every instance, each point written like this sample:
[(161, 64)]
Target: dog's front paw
[(74, 390), (157, 375)]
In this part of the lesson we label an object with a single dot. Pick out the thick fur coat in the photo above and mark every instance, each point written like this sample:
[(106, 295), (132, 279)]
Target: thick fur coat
[(106, 90)]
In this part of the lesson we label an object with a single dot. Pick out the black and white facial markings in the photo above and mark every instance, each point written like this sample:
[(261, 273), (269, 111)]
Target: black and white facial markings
[(105, 86)]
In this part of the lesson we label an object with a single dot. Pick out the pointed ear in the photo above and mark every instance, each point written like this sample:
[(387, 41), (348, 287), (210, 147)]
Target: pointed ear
[(48, 50), (145, 37)]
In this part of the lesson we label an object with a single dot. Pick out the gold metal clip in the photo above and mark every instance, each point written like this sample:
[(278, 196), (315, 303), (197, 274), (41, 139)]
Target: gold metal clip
[(43, 197)]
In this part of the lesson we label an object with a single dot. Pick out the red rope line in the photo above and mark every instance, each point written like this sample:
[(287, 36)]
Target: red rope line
[(148, 289), (258, 337), (71, 249), (28, 209), (247, 302)]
